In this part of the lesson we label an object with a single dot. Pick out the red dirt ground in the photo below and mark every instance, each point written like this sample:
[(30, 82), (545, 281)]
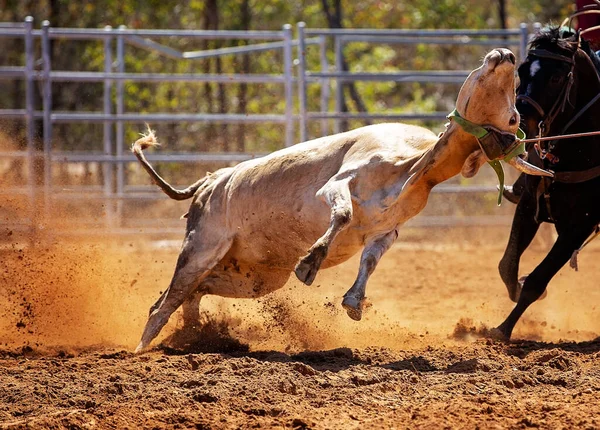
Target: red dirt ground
[(71, 315)]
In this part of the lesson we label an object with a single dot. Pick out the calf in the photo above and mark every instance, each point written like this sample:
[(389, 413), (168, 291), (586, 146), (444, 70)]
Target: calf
[(316, 204)]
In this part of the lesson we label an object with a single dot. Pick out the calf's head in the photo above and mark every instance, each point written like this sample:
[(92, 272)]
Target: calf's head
[(487, 97), (485, 108)]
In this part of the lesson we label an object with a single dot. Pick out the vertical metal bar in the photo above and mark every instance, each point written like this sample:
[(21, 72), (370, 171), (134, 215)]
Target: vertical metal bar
[(339, 85), (108, 166), (30, 120), (120, 126), (523, 42), (302, 82), (324, 84), (47, 106), (289, 85), (120, 108)]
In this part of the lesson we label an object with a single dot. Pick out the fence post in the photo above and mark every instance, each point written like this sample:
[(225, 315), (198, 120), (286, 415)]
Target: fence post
[(324, 84), (302, 82), (107, 166), (47, 106), (523, 42), (120, 126), (30, 120), (289, 85), (339, 84)]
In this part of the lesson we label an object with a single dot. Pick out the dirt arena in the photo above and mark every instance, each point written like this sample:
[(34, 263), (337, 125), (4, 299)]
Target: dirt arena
[(72, 314)]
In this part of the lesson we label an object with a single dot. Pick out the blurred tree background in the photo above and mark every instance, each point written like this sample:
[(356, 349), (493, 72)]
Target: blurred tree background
[(248, 98)]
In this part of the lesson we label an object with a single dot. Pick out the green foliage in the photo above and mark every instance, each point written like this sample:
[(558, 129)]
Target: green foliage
[(253, 98)]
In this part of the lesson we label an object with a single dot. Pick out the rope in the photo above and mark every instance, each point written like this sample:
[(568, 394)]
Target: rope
[(564, 136), (573, 261)]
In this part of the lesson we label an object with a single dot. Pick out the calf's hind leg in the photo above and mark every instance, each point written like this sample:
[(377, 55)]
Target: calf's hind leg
[(374, 250), (191, 309), (336, 193), (193, 265)]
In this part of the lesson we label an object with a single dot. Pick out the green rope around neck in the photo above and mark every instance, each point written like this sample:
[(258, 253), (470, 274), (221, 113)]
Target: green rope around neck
[(479, 132)]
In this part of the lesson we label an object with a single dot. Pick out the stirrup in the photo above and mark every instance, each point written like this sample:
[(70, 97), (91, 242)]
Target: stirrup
[(509, 194)]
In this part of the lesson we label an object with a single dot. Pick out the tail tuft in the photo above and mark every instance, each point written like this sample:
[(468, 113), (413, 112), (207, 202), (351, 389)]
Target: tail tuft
[(148, 139)]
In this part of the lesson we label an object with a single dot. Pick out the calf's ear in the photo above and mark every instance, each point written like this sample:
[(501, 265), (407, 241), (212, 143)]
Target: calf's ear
[(473, 163)]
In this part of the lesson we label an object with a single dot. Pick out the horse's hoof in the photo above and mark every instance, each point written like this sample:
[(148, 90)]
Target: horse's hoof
[(514, 296), (353, 307), (498, 334)]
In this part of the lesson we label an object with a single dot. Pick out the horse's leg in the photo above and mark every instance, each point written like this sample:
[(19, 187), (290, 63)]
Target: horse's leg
[(569, 239), (374, 250), (336, 193), (524, 228)]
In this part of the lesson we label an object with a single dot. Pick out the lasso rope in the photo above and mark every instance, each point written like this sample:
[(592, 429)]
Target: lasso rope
[(573, 261), (564, 136)]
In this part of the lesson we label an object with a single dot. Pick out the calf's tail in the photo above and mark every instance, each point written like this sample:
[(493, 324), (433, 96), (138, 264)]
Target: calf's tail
[(149, 139)]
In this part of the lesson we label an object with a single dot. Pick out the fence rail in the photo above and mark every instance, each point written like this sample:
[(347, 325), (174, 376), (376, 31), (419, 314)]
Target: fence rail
[(341, 37), (113, 116)]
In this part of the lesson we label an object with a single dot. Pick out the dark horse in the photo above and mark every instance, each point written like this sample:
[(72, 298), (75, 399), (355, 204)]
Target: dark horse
[(559, 93)]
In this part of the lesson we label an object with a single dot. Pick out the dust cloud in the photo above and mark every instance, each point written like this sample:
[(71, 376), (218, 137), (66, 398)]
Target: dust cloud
[(68, 292)]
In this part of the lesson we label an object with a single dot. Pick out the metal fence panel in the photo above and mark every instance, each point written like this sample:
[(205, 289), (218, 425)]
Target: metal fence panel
[(341, 37), (113, 115)]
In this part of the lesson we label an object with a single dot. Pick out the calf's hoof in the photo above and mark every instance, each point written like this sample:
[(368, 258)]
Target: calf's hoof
[(306, 270), (354, 307)]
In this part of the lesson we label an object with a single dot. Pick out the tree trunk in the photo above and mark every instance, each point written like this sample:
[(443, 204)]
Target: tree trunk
[(223, 128), (210, 20), (334, 19), (217, 133), (245, 19), (502, 13)]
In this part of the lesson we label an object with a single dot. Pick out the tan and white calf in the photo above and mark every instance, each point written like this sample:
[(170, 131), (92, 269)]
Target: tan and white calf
[(316, 204)]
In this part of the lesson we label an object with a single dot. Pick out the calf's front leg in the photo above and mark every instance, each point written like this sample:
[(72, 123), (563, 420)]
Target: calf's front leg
[(354, 298), (336, 193)]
